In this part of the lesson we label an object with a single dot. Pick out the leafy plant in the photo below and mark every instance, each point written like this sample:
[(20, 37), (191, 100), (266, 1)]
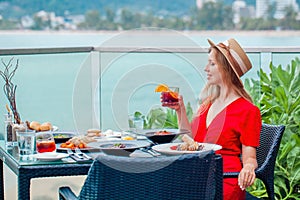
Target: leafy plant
[(163, 118), (278, 96)]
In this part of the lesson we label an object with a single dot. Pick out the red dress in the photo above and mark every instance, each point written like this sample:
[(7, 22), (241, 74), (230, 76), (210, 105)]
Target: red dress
[(238, 123)]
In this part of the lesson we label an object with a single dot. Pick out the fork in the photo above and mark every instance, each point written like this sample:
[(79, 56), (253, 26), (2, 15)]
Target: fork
[(78, 153), (70, 152)]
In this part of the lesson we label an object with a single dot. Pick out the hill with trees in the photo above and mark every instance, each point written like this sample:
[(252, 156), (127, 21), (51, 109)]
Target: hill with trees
[(18, 8)]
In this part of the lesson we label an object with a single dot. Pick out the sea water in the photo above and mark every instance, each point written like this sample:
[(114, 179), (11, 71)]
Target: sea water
[(58, 87)]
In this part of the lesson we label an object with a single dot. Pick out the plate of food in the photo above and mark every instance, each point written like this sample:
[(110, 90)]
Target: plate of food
[(78, 141), (50, 156), (111, 133), (187, 146), (119, 147), (174, 148), (160, 136)]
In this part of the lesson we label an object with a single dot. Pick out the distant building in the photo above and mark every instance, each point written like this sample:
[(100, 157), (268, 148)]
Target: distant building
[(27, 22), (237, 7), (240, 9), (262, 8), (199, 3)]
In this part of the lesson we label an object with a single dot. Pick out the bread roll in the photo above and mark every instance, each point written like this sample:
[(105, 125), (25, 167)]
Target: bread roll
[(187, 139), (47, 126), (35, 125), (93, 132), (191, 144)]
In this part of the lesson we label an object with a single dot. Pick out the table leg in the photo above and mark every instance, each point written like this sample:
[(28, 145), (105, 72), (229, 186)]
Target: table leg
[(2, 178), (24, 187)]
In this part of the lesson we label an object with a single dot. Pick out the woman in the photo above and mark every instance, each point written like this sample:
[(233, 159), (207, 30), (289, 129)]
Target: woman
[(227, 116)]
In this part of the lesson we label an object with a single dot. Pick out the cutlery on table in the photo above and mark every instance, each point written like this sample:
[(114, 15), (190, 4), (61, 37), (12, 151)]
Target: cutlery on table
[(78, 153), (150, 151), (70, 152), (76, 157)]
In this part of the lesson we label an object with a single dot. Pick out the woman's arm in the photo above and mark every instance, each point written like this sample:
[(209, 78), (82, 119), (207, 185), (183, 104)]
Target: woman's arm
[(247, 174)]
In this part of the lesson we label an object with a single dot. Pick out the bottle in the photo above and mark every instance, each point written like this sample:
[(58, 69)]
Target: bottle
[(8, 135)]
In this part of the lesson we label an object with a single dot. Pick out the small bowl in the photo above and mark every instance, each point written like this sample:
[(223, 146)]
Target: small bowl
[(107, 149), (61, 136), (163, 138)]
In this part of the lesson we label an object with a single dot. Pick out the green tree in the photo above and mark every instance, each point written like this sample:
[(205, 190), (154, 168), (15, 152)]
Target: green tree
[(290, 20), (213, 16), (40, 23), (110, 15), (92, 19), (7, 25)]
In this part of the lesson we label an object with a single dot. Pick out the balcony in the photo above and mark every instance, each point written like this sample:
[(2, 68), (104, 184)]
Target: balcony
[(83, 87)]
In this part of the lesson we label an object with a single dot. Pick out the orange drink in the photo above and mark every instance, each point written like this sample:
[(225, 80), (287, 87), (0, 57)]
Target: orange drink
[(45, 146), (45, 142), (169, 95)]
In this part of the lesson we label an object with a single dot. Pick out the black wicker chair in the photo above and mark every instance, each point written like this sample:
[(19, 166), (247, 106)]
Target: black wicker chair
[(270, 138), (190, 176)]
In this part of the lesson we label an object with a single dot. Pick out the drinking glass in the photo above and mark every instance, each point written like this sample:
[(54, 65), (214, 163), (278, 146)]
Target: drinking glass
[(128, 135), (26, 144), (45, 142), (136, 123), (170, 97)]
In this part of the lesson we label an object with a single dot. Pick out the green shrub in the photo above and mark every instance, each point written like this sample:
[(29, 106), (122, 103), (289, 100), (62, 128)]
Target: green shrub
[(278, 96)]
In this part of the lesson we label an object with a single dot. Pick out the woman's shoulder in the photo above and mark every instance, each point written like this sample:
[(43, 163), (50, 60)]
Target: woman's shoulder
[(243, 104)]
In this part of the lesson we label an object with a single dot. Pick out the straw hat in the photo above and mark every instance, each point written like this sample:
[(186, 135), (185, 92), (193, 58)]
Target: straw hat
[(235, 55)]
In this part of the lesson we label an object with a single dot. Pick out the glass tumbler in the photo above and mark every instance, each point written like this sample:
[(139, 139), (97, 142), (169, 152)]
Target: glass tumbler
[(45, 142)]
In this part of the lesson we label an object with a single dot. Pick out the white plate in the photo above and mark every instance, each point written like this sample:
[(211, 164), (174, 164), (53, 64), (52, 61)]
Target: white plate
[(166, 148), (105, 139), (50, 156), (110, 133)]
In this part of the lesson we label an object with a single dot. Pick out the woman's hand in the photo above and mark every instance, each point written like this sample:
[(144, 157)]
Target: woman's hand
[(247, 174), (176, 106)]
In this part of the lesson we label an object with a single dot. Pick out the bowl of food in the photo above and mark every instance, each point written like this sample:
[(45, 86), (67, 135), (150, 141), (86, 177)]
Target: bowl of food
[(119, 147), (163, 135), (62, 136)]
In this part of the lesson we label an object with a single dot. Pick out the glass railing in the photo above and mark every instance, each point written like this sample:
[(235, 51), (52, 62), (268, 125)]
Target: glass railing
[(86, 87)]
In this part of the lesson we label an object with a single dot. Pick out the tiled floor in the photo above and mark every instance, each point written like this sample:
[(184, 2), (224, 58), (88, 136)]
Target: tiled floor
[(41, 188)]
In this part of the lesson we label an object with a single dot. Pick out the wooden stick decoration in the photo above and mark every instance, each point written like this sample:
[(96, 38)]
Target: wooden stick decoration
[(9, 88)]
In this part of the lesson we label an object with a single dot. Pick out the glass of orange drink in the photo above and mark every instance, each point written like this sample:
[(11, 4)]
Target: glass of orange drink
[(45, 142), (169, 95)]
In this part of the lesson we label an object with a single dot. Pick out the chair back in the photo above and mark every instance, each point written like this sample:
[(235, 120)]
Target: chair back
[(266, 153), (190, 176)]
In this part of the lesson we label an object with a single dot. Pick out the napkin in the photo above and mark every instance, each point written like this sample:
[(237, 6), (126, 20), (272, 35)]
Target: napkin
[(139, 153)]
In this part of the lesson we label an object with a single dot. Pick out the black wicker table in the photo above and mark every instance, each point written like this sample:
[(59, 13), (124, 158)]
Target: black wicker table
[(25, 171)]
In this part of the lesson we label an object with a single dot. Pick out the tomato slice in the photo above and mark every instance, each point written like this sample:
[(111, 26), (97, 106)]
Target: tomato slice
[(173, 147)]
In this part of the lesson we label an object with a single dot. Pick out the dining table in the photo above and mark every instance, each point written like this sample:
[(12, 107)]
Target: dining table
[(26, 170)]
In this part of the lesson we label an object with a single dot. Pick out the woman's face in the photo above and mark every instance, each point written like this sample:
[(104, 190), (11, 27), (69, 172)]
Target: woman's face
[(213, 70)]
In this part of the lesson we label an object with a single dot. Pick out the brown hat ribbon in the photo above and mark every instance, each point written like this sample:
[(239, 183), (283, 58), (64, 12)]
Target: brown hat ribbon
[(234, 60)]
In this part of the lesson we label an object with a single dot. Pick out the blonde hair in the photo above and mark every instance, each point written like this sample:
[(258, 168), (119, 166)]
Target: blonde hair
[(211, 92)]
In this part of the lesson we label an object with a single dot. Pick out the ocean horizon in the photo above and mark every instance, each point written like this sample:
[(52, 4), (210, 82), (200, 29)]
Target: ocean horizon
[(30, 39)]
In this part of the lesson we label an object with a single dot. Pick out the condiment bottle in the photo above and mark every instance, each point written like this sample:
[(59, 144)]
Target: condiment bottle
[(8, 135)]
